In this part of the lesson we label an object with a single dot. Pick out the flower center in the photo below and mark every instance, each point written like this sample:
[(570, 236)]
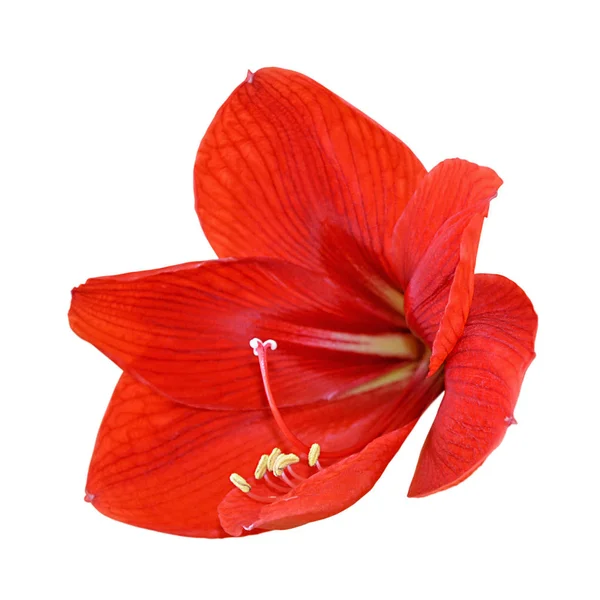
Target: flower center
[(275, 472)]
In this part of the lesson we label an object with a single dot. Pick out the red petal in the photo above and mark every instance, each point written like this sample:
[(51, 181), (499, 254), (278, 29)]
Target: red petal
[(483, 377), (185, 331), (322, 495), (283, 156), (439, 295), (331, 490), (355, 268), (166, 466), (451, 187)]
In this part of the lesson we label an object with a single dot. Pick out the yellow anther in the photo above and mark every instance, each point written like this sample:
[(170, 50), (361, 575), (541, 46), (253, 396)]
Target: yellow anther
[(261, 467), (282, 462), (313, 455), (271, 460), (240, 483)]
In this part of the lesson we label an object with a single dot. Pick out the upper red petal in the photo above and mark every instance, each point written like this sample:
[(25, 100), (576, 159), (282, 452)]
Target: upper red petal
[(450, 188), (161, 465), (483, 377), (284, 156), (185, 331)]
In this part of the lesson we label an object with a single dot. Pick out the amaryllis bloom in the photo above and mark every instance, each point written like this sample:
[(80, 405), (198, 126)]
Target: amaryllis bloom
[(271, 387)]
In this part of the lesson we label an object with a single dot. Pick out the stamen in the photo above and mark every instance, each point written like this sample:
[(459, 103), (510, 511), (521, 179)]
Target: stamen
[(299, 478), (271, 458), (283, 461), (240, 483), (313, 455), (265, 499), (273, 485), (288, 480), (261, 467)]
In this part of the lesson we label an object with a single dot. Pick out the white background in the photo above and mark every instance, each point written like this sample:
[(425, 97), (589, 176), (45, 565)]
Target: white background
[(103, 105)]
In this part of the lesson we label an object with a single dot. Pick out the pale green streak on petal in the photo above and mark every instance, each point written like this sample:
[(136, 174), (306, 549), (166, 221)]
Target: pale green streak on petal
[(393, 345), (393, 297), (394, 376)]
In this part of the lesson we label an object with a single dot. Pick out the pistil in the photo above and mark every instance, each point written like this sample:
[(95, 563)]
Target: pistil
[(260, 349)]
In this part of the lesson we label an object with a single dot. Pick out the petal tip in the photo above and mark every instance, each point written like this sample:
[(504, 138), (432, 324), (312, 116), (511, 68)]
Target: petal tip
[(434, 364), (420, 489), (249, 77), (80, 290)]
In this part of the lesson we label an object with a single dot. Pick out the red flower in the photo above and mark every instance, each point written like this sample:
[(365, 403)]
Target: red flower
[(340, 247)]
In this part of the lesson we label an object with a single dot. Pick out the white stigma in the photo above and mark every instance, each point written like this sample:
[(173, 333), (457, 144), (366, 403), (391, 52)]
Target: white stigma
[(255, 343)]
